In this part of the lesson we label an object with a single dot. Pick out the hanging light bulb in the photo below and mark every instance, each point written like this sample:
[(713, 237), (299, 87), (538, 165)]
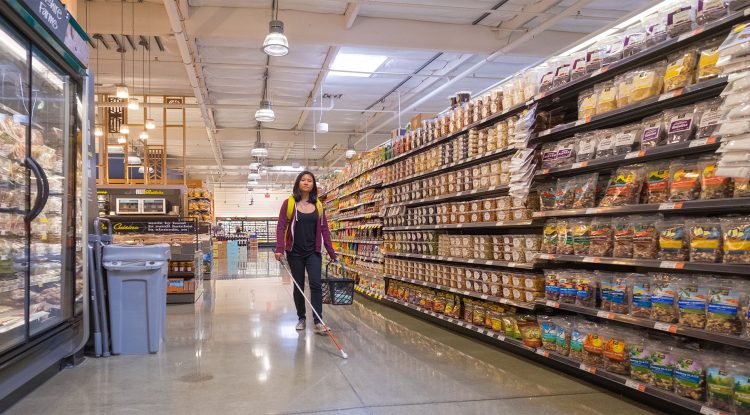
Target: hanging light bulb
[(133, 104), (276, 43), (122, 140), (122, 91), (141, 170), (150, 124), (265, 112), (124, 129), (98, 131), (143, 135), (350, 153)]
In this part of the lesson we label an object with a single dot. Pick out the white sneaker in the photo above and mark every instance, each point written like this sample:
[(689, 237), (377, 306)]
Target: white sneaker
[(320, 329), (300, 325)]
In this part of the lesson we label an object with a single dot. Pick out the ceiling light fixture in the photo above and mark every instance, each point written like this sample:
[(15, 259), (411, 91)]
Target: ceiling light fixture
[(143, 135), (253, 177), (124, 129), (122, 91), (265, 112), (150, 124), (133, 104), (350, 151), (98, 131), (133, 160), (356, 64), (121, 140), (276, 43)]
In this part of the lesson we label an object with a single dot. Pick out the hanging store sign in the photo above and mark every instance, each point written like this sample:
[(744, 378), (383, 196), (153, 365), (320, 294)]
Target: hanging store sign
[(155, 226), (52, 14)]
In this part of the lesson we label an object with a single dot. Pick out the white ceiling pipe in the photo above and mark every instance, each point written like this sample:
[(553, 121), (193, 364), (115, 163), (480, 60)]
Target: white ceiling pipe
[(572, 9), (200, 91)]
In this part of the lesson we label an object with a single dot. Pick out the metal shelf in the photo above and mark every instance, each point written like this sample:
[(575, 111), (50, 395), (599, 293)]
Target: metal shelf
[(368, 187), (468, 194), (464, 261), (359, 241), (356, 217), (669, 151), (709, 267), (456, 165), (711, 206), (635, 112), (363, 258), (344, 209), (651, 324), (619, 383), (466, 293), (469, 225), (645, 57)]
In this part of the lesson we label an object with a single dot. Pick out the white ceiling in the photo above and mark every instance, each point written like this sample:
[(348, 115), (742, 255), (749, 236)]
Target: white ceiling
[(435, 37)]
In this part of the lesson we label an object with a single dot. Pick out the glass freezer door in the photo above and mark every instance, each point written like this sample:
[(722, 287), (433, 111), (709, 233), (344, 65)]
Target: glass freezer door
[(14, 119), (52, 237)]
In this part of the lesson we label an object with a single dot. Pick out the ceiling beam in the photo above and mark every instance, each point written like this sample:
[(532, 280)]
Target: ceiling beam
[(330, 55), (352, 10), (288, 150)]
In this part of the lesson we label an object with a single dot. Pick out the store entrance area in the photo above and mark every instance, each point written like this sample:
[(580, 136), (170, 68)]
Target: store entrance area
[(236, 351)]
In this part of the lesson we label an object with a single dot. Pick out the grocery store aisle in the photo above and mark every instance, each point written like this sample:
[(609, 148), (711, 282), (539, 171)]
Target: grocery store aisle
[(236, 352)]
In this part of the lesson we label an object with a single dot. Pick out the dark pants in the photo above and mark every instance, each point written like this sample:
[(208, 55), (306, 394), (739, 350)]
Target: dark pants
[(313, 263)]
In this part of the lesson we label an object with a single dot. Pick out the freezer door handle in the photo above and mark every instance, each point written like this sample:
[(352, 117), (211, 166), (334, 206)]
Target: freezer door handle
[(42, 189)]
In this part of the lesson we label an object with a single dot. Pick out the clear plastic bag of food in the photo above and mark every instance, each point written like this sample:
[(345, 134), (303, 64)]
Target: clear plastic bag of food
[(681, 124), (741, 388), (640, 300), (690, 374), (657, 182), (586, 146), (664, 294), (585, 191), (627, 138), (693, 301), (713, 186), (577, 337), (613, 47), (562, 72), (680, 18), (565, 193), (568, 286), (710, 10), (654, 132), (623, 237), (635, 40), (736, 236), (607, 97), (680, 70), (639, 354), (620, 294), (587, 101), (551, 284), (594, 56), (549, 332), (605, 146), (605, 288), (727, 299), (616, 357), (578, 67), (735, 49), (655, 25), (647, 82), (707, 64), (685, 180), (547, 193), (566, 152), (601, 237), (546, 74), (741, 187), (549, 155), (705, 240), (710, 117), (624, 84), (593, 345), (531, 333), (720, 382), (564, 237), (673, 240), (581, 235), (736, 5), (624, 186), (563, 332), (601, 186), (645, 237), (586, 283), (663, 360)]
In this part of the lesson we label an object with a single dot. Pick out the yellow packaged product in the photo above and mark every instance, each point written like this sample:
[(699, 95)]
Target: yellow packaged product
[(707, 68), (647, 83), (586, 104), (624, 84), (607, 97), (680, 70)]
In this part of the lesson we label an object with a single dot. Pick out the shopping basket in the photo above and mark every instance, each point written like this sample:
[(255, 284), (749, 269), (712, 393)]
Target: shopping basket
[(337, 290)]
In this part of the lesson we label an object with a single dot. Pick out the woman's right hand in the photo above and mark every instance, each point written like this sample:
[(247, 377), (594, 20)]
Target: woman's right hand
[(278, 256)]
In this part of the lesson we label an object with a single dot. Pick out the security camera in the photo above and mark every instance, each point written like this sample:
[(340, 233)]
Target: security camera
[(315, 147)]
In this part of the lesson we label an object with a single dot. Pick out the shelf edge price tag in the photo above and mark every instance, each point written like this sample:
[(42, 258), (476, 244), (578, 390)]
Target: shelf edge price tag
[(671, 328), (672, 265), (553, 304), (586, 368), (592, 259), (605, 314), (500, 337), (542, 352), (705, 410), (670, 206), (483, 296), (635, 385), (592, 211)]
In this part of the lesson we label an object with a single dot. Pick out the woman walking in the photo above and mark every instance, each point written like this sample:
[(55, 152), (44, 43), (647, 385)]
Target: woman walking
[(301, 232)]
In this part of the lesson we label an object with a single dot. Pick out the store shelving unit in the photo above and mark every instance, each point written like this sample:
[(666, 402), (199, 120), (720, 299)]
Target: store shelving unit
[(709, 267), (465, 195), (470, 225), (470, 261), (709, 206)]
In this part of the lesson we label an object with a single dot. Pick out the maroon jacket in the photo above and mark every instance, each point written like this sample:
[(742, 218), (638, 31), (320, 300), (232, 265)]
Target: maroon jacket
[(286, 242)]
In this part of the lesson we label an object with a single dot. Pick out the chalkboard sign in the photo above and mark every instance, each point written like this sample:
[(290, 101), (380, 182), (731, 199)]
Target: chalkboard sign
[(155, 226), (52, 14)]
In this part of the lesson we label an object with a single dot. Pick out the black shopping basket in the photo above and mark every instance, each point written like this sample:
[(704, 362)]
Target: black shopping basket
[(337, 290)]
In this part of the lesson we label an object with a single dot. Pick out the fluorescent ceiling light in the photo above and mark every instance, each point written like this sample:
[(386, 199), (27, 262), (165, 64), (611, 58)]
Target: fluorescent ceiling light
[(265, 112), (361, 65), (150, 124)]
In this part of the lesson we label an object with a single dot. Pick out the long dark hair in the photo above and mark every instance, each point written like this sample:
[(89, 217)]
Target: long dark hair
[(313, 193)]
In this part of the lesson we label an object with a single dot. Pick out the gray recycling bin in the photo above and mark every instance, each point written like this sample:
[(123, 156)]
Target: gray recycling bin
[(137, 285)]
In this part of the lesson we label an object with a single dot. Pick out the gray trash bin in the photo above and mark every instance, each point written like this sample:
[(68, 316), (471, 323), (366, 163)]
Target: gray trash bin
[(137, 285)]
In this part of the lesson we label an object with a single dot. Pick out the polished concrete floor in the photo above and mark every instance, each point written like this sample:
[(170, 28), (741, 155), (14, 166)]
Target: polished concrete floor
[(236, 352)]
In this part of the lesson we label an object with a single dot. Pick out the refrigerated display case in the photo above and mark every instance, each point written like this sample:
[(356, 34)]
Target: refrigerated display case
[(153, 206), (128, 206), (46, 191)]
